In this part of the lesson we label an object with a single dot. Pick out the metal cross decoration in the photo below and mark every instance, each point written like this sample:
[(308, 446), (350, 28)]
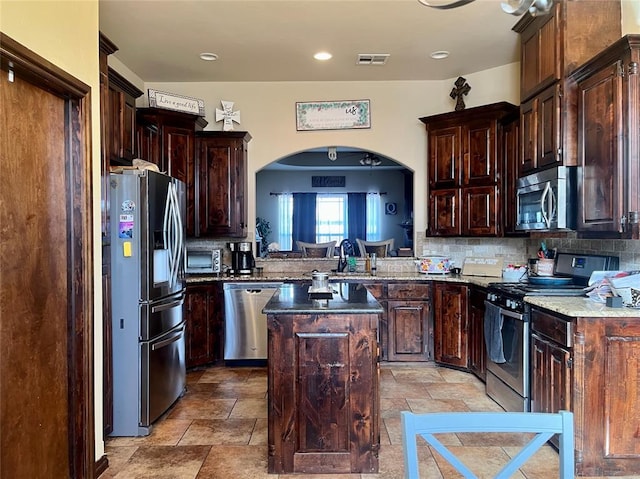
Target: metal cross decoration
[(227, 115), (461, 88)]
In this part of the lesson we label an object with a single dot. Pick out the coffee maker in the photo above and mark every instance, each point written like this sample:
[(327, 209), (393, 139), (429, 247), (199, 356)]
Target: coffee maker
[(242, 260)]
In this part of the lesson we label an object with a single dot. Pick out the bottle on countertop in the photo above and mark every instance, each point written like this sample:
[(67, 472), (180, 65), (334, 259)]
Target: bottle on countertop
[(367, 264)]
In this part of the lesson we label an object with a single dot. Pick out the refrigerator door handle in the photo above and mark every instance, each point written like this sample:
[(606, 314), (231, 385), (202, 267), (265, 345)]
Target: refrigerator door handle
[(166, 342), (170, 305), (176, 233)]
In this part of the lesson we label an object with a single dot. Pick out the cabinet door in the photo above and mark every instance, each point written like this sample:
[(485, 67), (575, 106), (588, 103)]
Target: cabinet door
[(450, 325), (203, 337), (178, 152), (481, 214), (480, 157), (528, 140), (148, 143), (549, 128), (600, 183), (550, 376), (511, 152), (477, 349), (408, 326), (540, 55), (445, 156), (540, 384), (222, 187), (445, 212)]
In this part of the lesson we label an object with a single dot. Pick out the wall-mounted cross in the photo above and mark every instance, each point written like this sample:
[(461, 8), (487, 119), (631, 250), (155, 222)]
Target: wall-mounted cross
[(461, 88), (227, 115)]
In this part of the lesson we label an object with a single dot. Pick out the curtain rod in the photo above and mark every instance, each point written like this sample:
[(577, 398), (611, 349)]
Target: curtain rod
[(273, 193)]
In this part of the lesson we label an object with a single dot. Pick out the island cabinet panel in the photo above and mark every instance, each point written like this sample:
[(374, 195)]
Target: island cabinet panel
[(323, 393), (409, 322), (451, 324)]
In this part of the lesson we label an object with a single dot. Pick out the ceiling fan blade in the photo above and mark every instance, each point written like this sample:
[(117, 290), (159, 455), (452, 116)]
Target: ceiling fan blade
[(455, 4), (534, 7)]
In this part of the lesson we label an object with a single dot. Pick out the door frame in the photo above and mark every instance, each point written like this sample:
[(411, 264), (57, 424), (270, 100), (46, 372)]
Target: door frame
[(80, 355)]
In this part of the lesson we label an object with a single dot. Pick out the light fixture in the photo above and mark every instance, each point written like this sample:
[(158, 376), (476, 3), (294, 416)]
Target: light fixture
[(370, 159), (332, 153), (513, 7), (208, 57), (440, 55), (323, 56)]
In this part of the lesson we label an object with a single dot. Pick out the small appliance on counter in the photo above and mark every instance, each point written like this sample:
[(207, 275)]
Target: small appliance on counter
[(242, 259), (204, 261)]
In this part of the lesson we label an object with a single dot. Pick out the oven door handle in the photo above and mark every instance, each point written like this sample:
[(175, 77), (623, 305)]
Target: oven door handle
[(510, 314)]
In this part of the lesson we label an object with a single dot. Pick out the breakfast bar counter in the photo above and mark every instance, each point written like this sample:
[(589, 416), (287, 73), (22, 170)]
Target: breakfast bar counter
[(324, 405)]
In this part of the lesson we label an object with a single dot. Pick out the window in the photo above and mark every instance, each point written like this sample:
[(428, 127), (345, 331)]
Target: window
[(332, 218)]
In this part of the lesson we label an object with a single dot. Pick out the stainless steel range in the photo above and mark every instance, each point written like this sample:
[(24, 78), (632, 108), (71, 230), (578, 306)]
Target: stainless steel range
[(507, 327)]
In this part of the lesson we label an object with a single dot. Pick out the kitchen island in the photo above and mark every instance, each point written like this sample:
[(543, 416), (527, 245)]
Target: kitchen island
[(323, 391)]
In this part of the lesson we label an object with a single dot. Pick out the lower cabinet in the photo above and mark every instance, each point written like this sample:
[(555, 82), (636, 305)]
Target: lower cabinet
[(477, 348), (204, 313), (406, 327), (451, 328)]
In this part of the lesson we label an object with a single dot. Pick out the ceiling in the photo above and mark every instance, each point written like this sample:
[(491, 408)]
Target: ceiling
[(274, 40)]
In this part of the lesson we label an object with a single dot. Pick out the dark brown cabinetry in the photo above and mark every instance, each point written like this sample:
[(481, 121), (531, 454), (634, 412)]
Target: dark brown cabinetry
[(608, 97), (409, 322), (465, 156), (122, 113), (204, 311), (597, 379), (451, 328), (323, 393), (477, 349), (406, 325), (221, 185), (511, 148), (552, 46), (167, 139)]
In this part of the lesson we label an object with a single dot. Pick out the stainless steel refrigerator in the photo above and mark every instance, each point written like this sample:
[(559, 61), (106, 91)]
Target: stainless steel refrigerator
[(147, 292)]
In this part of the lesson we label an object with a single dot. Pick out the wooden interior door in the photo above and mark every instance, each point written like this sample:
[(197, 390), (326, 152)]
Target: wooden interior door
[(46, 407)]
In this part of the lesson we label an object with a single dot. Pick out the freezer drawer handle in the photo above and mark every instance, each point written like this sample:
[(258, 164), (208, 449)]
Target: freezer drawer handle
[(168, 341), (164, 307)]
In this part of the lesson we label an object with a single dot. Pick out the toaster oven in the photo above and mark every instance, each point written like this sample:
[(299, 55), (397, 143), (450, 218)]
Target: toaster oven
[(204, 261)]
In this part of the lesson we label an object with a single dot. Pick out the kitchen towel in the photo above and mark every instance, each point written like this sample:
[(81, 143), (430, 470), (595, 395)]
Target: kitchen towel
[(493, 332)]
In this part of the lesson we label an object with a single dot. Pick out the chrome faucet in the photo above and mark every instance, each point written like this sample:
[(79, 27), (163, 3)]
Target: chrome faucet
[(345, 249)]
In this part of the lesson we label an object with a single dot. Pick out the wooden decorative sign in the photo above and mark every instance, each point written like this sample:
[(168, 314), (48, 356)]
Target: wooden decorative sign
[(171, 101), (333, 115), (327, 181)]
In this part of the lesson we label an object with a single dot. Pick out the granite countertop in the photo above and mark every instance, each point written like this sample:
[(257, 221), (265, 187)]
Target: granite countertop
[(580, 307), (346, 277), (348, 298)]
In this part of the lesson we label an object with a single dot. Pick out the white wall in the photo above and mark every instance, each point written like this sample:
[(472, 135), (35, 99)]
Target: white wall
[(268, 113)]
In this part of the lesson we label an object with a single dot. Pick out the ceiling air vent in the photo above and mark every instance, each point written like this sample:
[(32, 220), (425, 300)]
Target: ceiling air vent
[(372, 58)]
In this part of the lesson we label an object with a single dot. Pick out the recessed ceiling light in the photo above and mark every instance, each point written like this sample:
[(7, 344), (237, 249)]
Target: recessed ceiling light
[(439, 55), (209, 57), (323, 56)]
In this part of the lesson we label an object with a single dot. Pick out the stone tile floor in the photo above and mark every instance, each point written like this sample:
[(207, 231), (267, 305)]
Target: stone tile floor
[(218, 430)]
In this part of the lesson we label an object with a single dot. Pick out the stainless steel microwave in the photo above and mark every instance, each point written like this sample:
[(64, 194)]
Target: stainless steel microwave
[(546, 200), (204, 261)]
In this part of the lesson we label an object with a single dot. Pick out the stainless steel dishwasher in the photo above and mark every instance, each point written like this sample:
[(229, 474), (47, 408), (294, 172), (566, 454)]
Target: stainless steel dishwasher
[(245, 324)]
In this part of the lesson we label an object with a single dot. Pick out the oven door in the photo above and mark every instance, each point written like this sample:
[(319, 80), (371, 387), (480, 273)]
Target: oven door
[(514, 371)]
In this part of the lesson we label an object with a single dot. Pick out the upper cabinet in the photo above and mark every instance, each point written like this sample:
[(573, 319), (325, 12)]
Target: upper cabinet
[(167, 139), (608, 144), (122, 121), (222, 183), (465, 163), (552, 46)]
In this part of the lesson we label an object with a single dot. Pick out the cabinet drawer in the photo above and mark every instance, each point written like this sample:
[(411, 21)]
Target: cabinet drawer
[(552, 327), (376, 289), (409, 290)]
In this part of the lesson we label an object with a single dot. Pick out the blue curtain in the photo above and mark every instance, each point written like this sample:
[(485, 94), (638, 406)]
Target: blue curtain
[(357, 216), (304, 218)]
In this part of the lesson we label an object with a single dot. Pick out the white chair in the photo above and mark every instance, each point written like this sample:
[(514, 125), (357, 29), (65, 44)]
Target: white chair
[(317, 250), (544, 425), (380, 248)]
